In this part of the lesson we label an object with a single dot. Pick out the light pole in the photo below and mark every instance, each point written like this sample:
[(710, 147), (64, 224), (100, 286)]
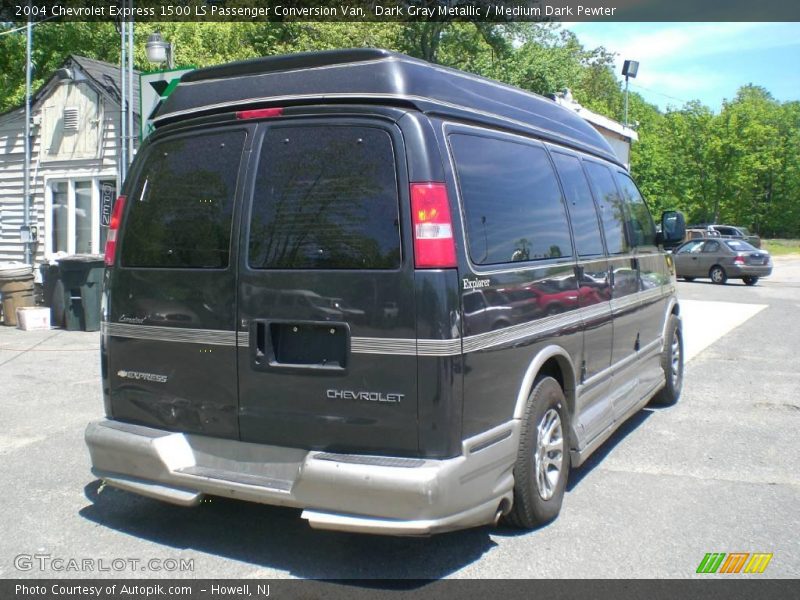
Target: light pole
[(629, 69), (158, 51)]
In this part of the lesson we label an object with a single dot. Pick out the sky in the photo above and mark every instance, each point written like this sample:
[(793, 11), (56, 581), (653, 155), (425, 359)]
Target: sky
[(679, 62)]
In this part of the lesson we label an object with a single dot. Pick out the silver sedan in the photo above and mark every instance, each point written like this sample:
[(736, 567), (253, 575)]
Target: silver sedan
[(721, 259)]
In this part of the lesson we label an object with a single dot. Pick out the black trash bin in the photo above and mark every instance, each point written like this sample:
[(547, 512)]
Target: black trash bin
[(82, 283), (53, 292)]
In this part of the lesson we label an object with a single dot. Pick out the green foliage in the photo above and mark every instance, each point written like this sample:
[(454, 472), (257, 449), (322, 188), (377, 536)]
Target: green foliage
[(738, 166)]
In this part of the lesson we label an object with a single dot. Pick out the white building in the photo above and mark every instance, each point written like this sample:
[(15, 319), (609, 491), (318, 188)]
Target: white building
[(74, 161), (618, 135)]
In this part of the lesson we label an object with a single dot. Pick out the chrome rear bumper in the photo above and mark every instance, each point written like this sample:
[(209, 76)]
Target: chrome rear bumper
[(369, 494)]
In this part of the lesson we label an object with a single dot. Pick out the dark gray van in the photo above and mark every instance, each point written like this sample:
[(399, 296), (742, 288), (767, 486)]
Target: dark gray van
[(400, 297)]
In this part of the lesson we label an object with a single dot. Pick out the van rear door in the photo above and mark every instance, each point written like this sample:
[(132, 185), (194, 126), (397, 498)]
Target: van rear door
[(326, 293), (170, 330)]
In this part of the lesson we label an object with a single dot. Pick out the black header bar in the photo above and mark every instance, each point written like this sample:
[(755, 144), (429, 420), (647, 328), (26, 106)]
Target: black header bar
[(401, 10)]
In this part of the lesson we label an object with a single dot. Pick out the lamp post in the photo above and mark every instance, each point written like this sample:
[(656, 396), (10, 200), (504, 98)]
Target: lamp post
[(629, 69), (158, 51)]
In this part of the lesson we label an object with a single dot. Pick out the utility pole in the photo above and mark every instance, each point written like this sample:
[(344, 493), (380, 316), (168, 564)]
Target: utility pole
[(122, 151), (131, 134), (26, 215)]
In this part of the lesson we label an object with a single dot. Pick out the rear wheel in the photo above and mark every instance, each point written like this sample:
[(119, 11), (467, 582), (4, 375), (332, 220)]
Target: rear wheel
[(718, 275), (750, 280), (672, 364), (542, 467)]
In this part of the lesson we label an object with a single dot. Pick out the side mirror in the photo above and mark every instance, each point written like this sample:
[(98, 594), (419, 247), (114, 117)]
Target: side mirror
[(673, 229)]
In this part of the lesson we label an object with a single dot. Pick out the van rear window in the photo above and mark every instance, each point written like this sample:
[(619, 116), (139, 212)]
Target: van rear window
[(181, 205), (325, 198)]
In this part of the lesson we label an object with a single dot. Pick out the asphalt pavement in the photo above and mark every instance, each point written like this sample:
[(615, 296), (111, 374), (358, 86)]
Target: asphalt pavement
[(718, 472)]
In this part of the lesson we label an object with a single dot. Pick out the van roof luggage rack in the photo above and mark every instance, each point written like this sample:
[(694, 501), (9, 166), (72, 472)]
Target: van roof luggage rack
[(365, 76)]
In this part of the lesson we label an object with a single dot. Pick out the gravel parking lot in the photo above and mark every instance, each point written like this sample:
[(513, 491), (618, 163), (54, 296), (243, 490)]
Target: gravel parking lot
[(715, 473)]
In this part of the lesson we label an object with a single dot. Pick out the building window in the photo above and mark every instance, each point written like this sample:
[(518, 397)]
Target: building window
[(74, 216)]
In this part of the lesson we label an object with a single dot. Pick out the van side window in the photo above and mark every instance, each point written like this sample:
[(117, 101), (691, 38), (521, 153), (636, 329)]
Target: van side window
[(582, 210), (325, 198), (640, 223), (512, 204), (610, 203), (182, 203)]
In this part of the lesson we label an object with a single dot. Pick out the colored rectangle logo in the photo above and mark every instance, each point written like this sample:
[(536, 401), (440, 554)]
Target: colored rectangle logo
[(734, 563)]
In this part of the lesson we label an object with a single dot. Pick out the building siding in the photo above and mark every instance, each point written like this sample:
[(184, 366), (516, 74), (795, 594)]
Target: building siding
[(12, 158)]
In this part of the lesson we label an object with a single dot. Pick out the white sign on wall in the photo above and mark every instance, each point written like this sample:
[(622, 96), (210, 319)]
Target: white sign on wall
[(154, 87)]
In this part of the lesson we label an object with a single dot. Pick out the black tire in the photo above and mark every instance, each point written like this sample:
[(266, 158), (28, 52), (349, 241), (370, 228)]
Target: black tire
[(718, 275), (688, 278), (673, 369), (534, 503), (750, 280)]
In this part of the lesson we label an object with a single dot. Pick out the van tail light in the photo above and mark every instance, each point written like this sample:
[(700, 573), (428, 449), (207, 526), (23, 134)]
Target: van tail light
[(739, 260), (259, 113), (434, 247), (113, 231)]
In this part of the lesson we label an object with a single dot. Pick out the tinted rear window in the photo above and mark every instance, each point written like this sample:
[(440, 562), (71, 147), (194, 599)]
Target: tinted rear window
[(325, 198), (740, 246), (512, 204), (181, 206)]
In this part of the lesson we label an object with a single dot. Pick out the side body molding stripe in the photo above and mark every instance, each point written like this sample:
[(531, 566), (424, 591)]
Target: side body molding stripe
[(403, 346)]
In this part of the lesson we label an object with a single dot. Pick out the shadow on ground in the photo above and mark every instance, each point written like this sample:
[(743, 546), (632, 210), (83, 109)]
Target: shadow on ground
[(577, 475), (277, 538)]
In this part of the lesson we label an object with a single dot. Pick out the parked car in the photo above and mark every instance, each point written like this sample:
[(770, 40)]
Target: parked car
[(739, 233), (721, 259), (431, 400), (725, 231), (699, 233)]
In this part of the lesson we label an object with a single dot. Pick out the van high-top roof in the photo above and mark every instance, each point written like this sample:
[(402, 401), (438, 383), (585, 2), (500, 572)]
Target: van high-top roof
[(368, 76)]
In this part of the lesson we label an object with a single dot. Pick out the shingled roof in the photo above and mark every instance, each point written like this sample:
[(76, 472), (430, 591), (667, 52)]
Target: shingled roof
[(106, 77)]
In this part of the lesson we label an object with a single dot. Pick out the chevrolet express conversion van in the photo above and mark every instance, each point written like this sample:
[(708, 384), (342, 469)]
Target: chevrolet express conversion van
[(402, 298)]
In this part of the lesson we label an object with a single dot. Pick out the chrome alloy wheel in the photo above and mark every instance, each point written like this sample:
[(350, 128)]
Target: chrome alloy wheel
[(549, 457), (676, 359)]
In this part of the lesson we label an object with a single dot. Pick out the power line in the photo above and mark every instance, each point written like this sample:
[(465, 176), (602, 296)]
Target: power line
[(34, 24), (641, 87)]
